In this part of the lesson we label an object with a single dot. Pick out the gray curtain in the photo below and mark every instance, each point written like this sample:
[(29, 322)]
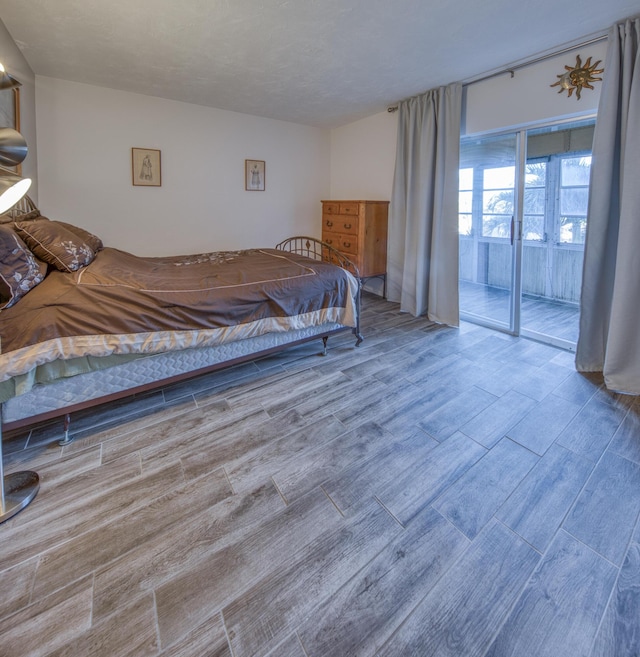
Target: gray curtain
[(609, 339), (423, 225)]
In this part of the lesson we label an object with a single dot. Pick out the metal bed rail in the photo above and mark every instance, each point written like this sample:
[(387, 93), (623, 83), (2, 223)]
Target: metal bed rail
[(318, 250)]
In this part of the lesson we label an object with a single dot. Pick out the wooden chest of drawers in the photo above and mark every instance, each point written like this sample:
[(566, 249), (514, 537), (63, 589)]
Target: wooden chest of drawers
[(359, 230)]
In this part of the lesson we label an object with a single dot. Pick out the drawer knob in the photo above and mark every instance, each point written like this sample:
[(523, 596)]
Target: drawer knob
[(347, 244), (347, 226), (329, 223), (329, 241)]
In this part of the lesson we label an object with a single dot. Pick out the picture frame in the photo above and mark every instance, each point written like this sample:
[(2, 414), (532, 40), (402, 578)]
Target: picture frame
[(254, 175), (146, 170), (10, 114)]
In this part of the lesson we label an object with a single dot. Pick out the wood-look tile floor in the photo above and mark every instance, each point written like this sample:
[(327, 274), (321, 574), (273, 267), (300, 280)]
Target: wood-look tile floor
[(435, 491)]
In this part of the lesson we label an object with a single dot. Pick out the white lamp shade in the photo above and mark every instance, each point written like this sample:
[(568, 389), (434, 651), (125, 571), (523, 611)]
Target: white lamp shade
[(12, 189)]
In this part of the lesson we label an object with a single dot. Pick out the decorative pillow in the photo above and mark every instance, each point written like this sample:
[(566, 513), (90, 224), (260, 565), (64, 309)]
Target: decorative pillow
[(19, 269), (52, 242), (89, 238)]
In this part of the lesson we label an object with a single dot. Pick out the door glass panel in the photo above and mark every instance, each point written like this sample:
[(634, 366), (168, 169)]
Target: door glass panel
[(535, 175), (554, 228), (465, 201), (486, 207)]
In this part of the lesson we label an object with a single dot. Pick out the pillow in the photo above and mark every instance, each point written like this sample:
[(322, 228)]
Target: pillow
[(89, 238), (52, 242), (20, 271)]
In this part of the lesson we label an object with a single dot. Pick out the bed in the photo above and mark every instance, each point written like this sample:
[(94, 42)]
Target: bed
[(85, 324)]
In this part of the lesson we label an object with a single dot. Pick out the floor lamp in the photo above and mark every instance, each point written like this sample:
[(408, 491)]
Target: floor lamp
[(18, 488)]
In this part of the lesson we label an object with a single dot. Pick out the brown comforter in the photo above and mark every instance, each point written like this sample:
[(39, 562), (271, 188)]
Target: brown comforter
[(122, 303)]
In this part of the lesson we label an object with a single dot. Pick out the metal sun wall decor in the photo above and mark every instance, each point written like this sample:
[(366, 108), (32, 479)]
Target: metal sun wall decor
[(578, 77)]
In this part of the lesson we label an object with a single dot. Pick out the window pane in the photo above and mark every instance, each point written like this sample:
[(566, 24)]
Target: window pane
[(573, 230), (466, 178), (464, 224), (574, 200), (536, 174), (534, 200), (575, 171), (464, 201), (499, 178), (498, 202), (533, 227), (496, 226)]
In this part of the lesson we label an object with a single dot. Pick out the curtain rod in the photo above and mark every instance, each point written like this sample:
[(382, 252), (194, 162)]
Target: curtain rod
[(530, 62)]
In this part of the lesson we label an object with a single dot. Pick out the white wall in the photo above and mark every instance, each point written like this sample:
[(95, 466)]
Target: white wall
[(85, 136), (363, 158), (16, 65)]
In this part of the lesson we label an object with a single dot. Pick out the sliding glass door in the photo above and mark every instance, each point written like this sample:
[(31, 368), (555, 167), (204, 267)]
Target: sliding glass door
[(488, 195), (522, 225)]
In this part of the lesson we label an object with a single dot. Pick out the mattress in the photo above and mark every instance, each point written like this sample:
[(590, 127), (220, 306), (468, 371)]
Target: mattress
[(44, 398)]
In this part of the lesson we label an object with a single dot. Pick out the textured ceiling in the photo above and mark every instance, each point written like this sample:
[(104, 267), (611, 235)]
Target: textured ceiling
[(316, 62)]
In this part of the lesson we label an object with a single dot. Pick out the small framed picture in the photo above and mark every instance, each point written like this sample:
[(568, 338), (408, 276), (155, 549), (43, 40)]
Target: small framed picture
[(145, 167), (254, 171)]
